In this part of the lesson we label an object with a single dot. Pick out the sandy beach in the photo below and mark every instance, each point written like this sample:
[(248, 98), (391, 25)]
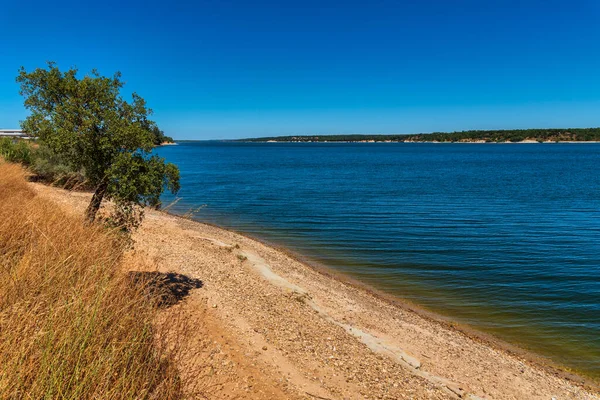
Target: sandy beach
[(272, 327)]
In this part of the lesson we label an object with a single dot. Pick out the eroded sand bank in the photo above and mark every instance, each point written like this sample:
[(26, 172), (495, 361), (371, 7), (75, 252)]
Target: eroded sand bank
[(275, 328)]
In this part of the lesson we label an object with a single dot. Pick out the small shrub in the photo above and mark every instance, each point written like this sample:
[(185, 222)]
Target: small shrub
[(125, 217), (50, 168), (16, 150)]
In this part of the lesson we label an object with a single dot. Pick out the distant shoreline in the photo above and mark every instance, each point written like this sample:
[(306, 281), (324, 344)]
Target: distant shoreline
[(427, 142), (553, 135)]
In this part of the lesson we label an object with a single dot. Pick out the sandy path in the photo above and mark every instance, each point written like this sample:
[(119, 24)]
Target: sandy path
[(276, 328)]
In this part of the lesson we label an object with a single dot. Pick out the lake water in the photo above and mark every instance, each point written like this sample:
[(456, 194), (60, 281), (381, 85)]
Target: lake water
[(503, 237)]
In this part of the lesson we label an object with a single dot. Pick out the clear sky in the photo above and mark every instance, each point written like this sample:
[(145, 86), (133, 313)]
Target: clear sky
[(229, 69)]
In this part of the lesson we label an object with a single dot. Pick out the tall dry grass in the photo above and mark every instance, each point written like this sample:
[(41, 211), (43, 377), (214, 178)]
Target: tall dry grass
[(70, 325)]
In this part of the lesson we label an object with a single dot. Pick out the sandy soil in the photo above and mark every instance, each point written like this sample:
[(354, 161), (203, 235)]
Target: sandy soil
[(270, 327)]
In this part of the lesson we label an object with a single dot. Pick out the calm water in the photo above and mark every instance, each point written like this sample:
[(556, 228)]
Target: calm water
[(503, 237)]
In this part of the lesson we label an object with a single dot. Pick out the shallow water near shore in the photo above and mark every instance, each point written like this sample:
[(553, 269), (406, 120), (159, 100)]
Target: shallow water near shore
[(504, 238)]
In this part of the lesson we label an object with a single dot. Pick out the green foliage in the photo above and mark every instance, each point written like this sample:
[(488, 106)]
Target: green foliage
[(47, 166), (41, 161), (16, 150), (87, 123), (136, 177)]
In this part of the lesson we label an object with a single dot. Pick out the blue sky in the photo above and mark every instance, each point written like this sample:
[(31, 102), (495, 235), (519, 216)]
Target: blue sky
[(228, 69)]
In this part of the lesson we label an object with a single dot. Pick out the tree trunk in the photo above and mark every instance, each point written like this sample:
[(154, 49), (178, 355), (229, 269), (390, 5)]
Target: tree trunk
[(94, 206)]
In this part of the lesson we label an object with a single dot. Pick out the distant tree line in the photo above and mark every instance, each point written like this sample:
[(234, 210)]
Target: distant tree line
[(517, 135), (159, 136)]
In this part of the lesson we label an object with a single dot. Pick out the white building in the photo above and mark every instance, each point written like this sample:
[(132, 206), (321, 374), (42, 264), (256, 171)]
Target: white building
[(13, 133)]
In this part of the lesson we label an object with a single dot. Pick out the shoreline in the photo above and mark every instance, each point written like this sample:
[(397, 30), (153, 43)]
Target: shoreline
[(397, 301), (423, 142), (264, 294)]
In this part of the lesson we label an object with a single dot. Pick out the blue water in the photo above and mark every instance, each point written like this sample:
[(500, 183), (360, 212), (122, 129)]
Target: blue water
[(503, 237)]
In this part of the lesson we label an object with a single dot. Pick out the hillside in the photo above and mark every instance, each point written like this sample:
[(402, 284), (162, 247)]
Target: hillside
[(267, 326)]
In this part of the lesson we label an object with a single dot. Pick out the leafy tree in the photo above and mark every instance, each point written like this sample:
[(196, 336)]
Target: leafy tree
[(88, 123)]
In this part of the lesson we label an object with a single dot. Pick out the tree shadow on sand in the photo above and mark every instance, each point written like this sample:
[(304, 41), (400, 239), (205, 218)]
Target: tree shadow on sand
[(165, 289)]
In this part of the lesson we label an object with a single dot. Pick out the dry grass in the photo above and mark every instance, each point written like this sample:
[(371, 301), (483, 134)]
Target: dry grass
[(71, 327)]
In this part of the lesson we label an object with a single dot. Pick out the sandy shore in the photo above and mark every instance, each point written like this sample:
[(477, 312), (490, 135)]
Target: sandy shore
[(272, 327)]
